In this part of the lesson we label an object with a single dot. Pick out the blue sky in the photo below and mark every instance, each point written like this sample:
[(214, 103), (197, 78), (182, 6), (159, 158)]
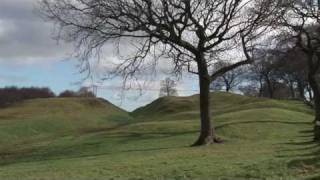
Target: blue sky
[(30, 57), (60, 75)]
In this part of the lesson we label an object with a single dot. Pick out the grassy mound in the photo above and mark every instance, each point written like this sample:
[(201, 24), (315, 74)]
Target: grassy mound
[(92, 139), (38, 119), (188, 107)]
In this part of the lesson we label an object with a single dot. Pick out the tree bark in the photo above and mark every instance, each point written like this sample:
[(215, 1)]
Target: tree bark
[(261, 87), (301, 88), (270, 88), (317, 121), (207, 132), (316, 94), (310, 93), (228, 87), (292, 91)]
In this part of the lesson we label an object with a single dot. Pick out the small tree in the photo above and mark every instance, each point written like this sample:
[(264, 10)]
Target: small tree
[(68, 93), (229, 80), (82, 92), (85, 92), (194, 34), (168, 88), (263, 72)]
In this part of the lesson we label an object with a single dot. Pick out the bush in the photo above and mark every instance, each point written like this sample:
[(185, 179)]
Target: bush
[(10, 95), (68, 93), (82, 92), (85, 92)]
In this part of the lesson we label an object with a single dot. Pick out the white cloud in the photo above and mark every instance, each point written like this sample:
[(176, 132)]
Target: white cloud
[(25, 37)]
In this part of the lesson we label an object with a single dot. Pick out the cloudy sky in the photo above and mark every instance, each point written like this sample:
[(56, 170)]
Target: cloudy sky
[(30, 57)]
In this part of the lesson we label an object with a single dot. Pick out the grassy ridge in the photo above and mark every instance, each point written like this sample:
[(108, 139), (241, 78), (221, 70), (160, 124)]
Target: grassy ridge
[(92, 139), (40, 120), (182, 107)]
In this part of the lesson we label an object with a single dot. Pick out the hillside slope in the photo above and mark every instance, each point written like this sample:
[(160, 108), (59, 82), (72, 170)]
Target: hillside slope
[(88, 139), (44, 118), (188, 107)]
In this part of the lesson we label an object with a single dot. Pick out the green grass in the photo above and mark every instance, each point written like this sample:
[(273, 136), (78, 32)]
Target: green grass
[(80, 139)]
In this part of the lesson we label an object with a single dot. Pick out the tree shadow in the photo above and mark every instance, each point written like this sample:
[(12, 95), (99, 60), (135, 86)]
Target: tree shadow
[(84, 149), (317, 177), (254, 122), (306, 159), (106, 135), (305, 155)]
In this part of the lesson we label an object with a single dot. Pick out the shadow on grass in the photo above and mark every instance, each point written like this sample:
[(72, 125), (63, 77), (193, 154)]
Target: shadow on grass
[(311, 159), (305, 143), (112, 144), (305, 155), (317, 177), (255, 122), (105, 142)]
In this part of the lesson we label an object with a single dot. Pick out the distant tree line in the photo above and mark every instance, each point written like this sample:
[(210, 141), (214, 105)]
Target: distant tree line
[(279, 73), (11, 95)]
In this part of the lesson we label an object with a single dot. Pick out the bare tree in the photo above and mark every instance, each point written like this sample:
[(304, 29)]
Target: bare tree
[(302, 25), (279, 72), (291, 67), (263, 72), (168, 88), (85, 92), (229, 80), (194, 34)]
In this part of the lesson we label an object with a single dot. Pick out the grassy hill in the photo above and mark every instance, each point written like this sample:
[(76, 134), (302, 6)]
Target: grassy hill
[(40, 121), (75, 139)]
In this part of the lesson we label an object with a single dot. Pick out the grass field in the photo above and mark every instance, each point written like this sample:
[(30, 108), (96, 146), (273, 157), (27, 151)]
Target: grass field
[(87, 139)]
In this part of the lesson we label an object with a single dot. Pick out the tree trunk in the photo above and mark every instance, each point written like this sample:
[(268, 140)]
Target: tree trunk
[(207, 132), (316, 93), (317, 121), (261, 87), (292, 91), (228, 87), (301, 88), (270, 88), (310, 93)]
